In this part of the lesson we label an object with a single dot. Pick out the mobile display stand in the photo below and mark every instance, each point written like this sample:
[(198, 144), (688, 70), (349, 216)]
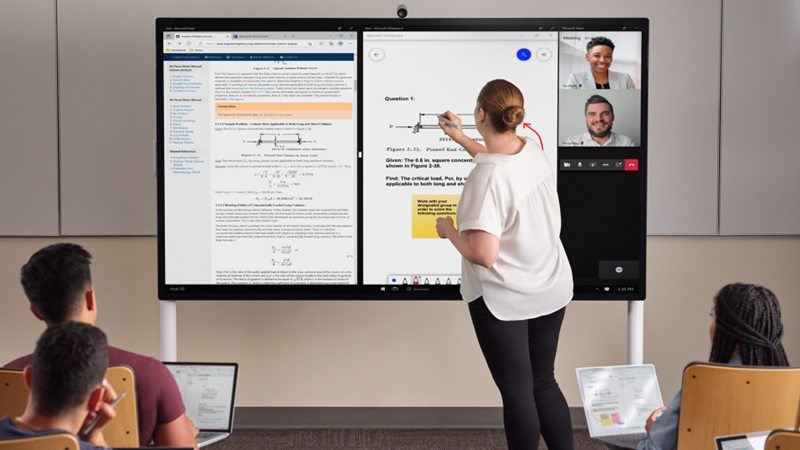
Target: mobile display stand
[(169, 331), (635, 332)]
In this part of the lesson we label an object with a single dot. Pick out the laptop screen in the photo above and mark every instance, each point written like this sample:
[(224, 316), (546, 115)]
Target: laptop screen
[(208, 391), (618, 400), (749, 441), (734, 443)]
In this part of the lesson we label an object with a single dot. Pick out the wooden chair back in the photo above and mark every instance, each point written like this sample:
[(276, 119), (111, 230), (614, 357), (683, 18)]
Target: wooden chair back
[(59, 441), (13, 393), (123, 431), (783, 440), (721, 400)]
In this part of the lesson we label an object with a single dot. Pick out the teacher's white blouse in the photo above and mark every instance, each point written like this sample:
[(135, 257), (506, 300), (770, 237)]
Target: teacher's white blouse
[(514, 198)]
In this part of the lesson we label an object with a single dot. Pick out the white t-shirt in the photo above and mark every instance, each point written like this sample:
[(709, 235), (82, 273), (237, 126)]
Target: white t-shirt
[(514, 198)]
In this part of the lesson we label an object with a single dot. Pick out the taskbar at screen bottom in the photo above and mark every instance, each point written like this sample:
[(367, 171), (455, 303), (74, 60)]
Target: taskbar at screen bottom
[(604, 287), (365, 292), (308, 292)]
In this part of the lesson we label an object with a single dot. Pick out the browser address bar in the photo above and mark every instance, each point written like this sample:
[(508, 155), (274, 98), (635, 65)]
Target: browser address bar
[(257, 44)]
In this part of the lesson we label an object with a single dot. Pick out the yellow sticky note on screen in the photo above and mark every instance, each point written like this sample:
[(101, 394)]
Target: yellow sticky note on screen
[(424, 211), (605, 419)]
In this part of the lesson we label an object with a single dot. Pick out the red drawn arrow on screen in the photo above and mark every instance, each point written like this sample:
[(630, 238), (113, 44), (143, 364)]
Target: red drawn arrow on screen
[(537, 134)]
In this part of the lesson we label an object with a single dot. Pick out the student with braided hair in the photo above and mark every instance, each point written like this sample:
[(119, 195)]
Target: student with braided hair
[(748, 320), (746, 329)]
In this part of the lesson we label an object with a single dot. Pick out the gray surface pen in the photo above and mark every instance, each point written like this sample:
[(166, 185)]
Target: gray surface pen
[(100, 414), (448, 122)]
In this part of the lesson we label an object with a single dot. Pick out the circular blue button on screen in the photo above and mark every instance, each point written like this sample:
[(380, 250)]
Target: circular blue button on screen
[(524, 54)]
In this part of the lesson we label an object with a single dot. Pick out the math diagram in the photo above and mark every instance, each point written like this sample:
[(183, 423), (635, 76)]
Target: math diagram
[(279, 139), (430, 121)]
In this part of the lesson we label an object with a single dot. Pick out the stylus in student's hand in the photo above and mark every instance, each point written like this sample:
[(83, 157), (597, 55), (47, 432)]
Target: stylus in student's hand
[(100, 414), (452, 124)]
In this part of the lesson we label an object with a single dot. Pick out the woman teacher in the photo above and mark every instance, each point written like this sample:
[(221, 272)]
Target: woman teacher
[(600, 55), (515, 274)]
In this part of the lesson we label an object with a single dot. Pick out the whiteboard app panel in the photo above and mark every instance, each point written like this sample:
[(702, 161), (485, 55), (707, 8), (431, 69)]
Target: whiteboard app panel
[(413, 172)]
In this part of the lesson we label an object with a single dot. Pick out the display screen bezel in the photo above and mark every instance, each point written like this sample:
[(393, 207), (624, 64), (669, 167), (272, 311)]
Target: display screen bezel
[(361, 291)]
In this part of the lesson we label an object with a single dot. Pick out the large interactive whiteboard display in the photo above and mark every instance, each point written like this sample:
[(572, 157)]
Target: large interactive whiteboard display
[(302, 159)]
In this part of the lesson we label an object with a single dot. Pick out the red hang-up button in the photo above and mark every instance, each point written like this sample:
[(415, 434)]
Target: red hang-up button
[(631, 164)]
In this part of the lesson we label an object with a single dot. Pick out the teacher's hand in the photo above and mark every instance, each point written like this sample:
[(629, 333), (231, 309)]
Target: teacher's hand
[(453, 132), (444, 225)]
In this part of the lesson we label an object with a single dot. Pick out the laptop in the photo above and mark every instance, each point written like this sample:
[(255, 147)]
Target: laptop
[(617, 401), (749, 441), (209, 392)]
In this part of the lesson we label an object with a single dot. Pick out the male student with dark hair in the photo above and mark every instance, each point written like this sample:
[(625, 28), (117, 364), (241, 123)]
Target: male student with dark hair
[(67, 387), (58, 284)]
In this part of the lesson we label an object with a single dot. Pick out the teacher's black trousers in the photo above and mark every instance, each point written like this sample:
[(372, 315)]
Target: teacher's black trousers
[(521, 356)]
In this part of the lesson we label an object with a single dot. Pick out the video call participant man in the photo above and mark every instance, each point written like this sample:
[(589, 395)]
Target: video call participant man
[(599, 119), (58, 284), (67, 387), (600, 55)]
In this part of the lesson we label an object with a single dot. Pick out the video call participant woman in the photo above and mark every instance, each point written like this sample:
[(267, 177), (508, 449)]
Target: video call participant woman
[(745, 329), (516, 276), (600, 54)]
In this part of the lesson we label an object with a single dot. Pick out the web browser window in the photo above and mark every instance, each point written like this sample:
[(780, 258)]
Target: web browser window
[(258, 129)]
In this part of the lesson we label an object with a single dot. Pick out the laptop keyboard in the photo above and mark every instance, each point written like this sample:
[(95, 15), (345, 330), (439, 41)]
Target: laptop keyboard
[(206, 435), (636, 437)]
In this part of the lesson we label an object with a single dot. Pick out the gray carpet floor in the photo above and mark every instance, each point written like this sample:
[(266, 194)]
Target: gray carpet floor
[(380, 439)]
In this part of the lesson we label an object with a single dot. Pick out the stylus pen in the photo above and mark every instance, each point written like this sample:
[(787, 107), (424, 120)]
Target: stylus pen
[(100, 414), (448, 122)]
